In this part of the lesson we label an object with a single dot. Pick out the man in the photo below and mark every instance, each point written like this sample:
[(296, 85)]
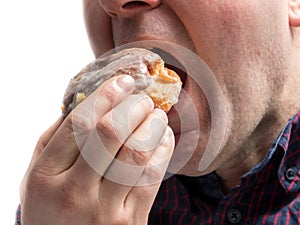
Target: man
[(252, 47)]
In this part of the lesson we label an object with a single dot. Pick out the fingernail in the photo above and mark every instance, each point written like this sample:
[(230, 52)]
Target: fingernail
[(161, 114), (125, 82)]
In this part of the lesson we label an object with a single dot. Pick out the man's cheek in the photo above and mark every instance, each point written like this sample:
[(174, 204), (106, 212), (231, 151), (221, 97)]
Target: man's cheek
[(98, 27)]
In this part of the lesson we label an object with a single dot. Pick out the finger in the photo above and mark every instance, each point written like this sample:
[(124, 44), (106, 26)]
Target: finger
[(117, 125), (62, 150), (125, 170), (111, 131), (44, 140), (141, 197)]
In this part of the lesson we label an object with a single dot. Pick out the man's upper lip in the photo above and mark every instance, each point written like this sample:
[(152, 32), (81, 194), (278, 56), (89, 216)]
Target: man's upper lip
[(129, 41)]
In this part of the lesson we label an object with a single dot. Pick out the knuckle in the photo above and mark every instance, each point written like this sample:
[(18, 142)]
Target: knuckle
[(105, 128), (153, 174), (41, 144), (79, 122), (144, 102), (110, 92), (36, 182), (137, 157), (40, 173)]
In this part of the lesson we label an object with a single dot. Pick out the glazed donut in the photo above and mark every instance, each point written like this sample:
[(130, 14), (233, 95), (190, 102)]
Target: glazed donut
[(147, 68)]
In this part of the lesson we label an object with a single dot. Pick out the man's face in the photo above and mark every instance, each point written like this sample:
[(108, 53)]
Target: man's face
[(245, 44)]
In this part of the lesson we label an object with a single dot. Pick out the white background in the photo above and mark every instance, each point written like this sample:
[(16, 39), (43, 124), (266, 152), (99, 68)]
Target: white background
[(42, 45)]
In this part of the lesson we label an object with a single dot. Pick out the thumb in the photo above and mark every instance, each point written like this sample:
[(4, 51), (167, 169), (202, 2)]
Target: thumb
[(40, 146), (44, 140)]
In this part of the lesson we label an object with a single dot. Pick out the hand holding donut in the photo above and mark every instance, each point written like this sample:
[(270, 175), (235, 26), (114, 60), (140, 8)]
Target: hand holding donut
[(60, 186)]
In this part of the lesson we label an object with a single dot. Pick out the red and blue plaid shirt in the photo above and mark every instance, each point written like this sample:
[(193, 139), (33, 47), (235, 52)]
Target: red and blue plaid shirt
[(268, 194)]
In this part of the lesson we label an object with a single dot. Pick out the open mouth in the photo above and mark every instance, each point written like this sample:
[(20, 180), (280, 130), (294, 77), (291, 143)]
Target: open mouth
[(172, 63)]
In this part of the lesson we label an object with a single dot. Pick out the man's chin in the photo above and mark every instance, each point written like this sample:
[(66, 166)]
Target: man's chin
[(185, 153), (191, 168)]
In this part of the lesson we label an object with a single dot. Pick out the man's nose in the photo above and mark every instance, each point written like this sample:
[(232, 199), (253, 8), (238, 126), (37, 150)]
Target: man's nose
[(128, 8)]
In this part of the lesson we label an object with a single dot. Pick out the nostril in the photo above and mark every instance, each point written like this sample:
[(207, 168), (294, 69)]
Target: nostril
[(134, 4)]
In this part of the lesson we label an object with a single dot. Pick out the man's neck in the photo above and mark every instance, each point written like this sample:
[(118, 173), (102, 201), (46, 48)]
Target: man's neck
[(252, 151)]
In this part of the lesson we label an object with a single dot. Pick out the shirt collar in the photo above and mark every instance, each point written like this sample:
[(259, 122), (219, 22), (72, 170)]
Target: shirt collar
[(289, 169), (286, 146)]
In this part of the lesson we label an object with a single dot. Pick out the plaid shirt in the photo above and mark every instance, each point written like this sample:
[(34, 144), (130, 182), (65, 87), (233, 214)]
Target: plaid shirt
[(268, 194)]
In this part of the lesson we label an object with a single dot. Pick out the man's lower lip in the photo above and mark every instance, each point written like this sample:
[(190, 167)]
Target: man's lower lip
[(183, 117), (178, 133)]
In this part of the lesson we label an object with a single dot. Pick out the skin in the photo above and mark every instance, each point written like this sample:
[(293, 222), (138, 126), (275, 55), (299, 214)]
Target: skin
[(251, 46)]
